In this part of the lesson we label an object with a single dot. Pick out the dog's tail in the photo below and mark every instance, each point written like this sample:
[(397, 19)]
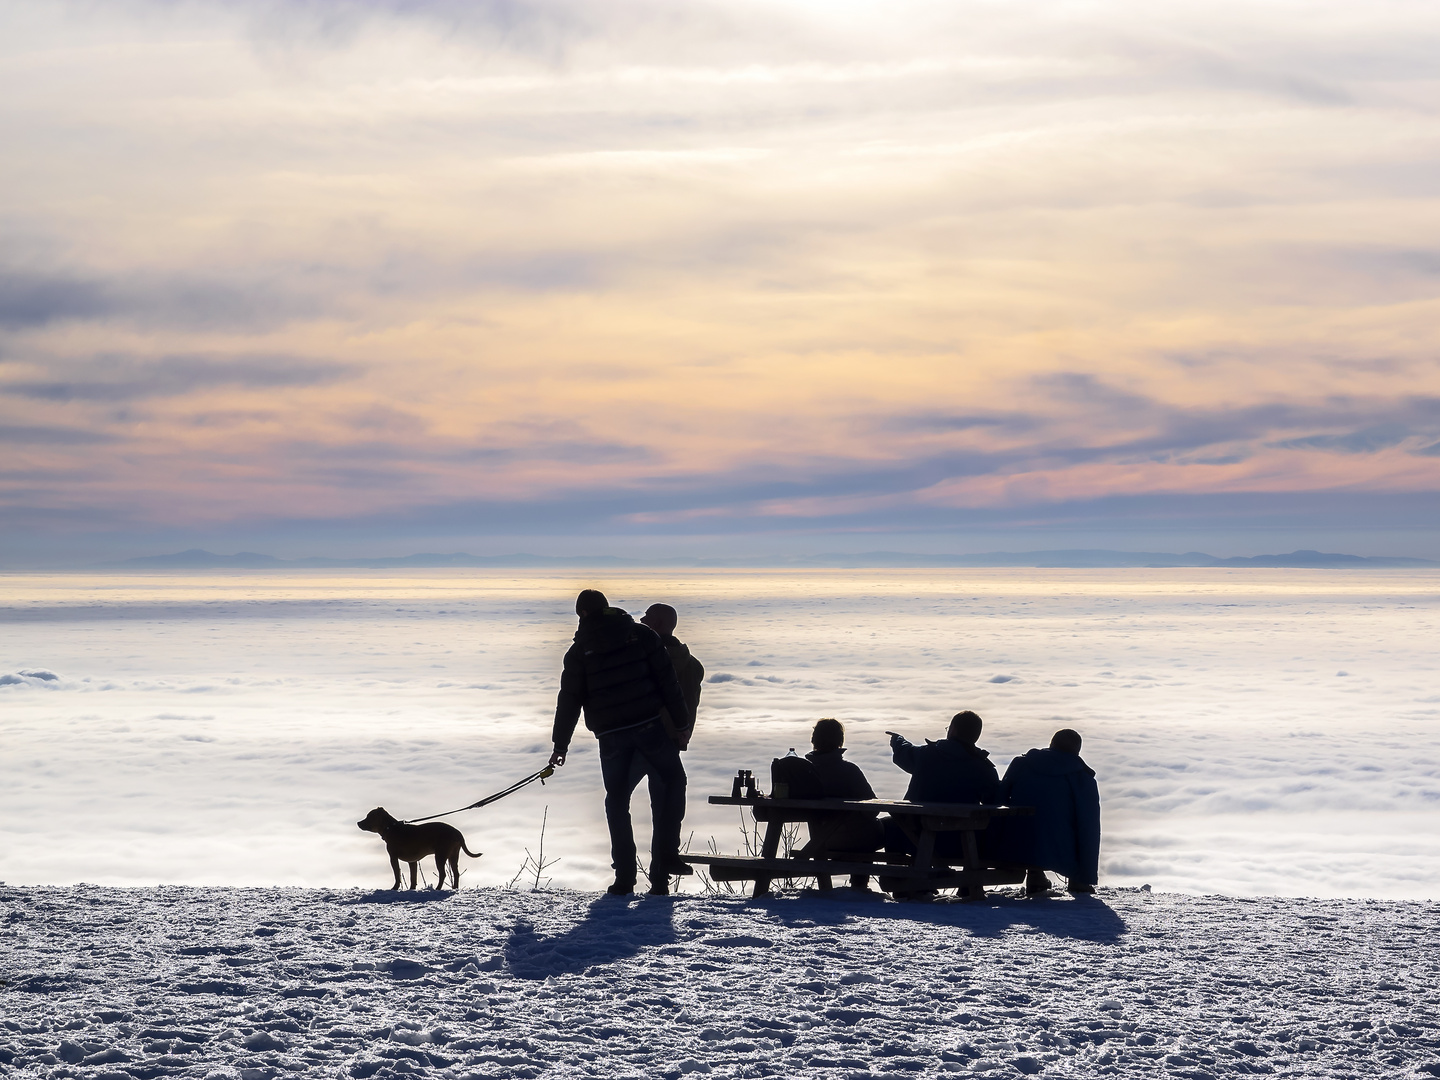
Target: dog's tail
[(472, 854)]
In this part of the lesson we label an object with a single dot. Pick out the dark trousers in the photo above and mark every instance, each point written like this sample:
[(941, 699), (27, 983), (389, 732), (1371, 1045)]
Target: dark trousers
[(626, 756)]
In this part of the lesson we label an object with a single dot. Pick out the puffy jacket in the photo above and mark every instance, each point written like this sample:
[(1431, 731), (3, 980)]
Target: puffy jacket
[(948, 771), (1064, 834), (619, 673)]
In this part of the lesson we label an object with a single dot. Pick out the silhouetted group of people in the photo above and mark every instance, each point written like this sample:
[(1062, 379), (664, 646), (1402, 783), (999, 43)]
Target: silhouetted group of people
[(639, 689), (1063, 836)]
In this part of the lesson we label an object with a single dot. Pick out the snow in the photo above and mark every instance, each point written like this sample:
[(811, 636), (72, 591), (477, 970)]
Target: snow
[(230, 728), (126, 983)]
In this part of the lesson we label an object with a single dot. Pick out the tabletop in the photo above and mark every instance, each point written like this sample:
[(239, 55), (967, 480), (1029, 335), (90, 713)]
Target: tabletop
[(886, 806)]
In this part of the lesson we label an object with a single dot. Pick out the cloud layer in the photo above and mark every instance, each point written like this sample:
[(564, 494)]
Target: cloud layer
[(1255, 732), (729, 269)]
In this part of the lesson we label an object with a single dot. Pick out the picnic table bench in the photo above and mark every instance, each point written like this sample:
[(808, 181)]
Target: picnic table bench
[(899, 874)]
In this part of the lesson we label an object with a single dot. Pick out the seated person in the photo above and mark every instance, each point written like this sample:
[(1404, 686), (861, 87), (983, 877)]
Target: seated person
[(1064, 834), (953, 770), (839, 779)]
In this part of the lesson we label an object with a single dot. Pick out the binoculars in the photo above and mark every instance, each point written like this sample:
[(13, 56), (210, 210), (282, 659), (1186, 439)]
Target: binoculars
[(744, 785)]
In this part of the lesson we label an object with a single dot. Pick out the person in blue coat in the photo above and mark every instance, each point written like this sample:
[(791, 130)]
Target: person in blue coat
[(949, 770), (1064, 834)]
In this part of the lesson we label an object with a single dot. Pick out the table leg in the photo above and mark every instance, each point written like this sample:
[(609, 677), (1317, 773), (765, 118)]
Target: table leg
[(768, 850), (925, 850), (924, 858), (971, 862), (972, 849)]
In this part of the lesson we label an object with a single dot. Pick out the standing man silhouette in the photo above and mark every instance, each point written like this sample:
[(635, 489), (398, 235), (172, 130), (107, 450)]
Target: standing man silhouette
[(618, 672)]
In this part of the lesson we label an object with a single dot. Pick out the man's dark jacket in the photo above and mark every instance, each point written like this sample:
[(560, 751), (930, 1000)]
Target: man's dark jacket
[(1064, 834), (619, 673), (691, 674), (842, 830), (838, 778), (948, 771)]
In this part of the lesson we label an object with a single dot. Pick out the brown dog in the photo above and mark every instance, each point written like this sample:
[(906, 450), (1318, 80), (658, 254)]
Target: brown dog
[(411, 843)]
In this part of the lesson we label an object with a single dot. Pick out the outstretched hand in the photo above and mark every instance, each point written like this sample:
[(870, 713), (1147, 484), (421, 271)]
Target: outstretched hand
[(557, 758), (897, 740)]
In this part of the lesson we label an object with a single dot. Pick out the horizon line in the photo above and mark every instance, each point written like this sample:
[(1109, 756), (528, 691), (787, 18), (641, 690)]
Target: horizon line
[(1066, 558)]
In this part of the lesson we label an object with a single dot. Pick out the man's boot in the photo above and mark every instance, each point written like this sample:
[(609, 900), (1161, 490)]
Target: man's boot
[(621, 888), (1036, 883)]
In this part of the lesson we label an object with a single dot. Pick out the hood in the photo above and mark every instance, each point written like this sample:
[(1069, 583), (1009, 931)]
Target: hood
[(1056, 762), (674, 645), (606, 630), (817, 755)]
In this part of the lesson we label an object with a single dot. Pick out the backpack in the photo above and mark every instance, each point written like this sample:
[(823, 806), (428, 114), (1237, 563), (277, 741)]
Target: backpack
[(793, 777)]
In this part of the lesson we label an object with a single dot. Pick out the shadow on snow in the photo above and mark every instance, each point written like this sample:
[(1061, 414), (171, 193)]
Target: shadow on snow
[(613, 928), (1083, 918), (400, 896)]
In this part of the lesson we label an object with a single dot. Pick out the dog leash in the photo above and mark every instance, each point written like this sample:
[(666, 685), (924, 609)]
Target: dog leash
[(542, 775)]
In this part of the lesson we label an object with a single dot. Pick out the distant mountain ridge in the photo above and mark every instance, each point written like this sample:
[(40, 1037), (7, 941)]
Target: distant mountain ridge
[(196, 559)]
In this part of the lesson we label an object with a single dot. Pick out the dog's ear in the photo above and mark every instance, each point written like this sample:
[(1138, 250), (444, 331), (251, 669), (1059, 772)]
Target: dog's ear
[(373, 819)]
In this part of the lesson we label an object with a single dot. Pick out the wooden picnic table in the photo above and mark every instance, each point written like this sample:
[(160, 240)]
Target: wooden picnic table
[(921, 822)]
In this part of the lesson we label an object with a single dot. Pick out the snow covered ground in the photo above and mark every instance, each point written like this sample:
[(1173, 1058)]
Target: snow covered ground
[(1253, 731), (128, 984)]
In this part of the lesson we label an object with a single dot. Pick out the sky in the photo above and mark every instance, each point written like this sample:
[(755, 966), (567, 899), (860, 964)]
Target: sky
[(325, 277)]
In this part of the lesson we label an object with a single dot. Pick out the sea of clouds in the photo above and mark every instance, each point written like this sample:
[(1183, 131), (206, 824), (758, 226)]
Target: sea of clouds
[(1253, 731)]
